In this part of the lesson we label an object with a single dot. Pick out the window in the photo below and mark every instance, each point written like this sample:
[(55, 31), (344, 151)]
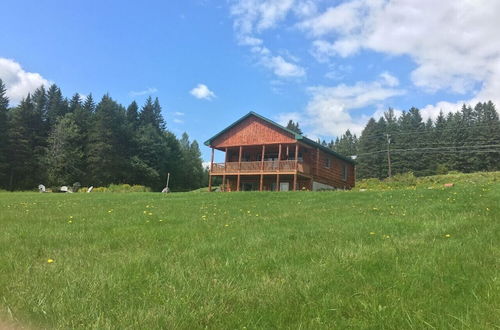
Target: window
[(328, 162), (344, 172)]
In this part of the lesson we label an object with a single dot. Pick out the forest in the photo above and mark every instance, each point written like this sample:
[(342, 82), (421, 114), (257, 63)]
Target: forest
[(56, 141), (467, 140)]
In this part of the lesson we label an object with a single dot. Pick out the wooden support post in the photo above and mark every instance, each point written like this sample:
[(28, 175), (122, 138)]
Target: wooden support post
[(224, 174), (262, 168), (239, 169), (278, 175), (317, 161), (296, 166), (210, 172)]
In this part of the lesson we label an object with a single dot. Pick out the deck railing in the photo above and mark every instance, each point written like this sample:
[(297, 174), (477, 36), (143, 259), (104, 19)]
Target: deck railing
[(258, 166)]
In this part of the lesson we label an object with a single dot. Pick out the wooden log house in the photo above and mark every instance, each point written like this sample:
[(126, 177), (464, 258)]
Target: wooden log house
[(260, 154)]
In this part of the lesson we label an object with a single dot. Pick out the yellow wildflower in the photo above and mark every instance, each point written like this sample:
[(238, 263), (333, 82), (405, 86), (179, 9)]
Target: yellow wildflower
[(50, 261), (372, 233), (447, 235)]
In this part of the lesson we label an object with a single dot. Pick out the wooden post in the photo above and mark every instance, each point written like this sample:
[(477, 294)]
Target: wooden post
[(210, 172), (239, 169), (212, 160), (317, 161), (262, 168), (278, 175), (224, 174), (296, 166)]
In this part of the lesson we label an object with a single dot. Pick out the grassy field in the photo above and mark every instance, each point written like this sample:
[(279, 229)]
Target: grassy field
[(397, 259)]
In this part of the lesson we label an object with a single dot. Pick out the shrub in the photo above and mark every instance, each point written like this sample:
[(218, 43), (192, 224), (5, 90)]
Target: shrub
[(122, 188)]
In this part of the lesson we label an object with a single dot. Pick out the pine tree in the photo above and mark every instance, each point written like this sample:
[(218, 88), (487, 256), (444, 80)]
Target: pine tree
[(487, 133), (439, 163), (56, 105), (159, 122), (151, 114), (372, 144), (346, 145), (294, 127), (65, 154), (108, 142), (4, 107), (25, 150), (133, 115)]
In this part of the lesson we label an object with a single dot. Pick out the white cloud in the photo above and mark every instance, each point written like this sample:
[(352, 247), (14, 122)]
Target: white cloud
[(283, 118), (143, 92), (178, 113), (252, 17), (281, 67), (178, 121), (452, 42), (202, 92), (330, 110), (19, 82)]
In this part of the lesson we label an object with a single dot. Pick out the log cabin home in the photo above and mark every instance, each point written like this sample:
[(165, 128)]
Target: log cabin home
[(260, 154)]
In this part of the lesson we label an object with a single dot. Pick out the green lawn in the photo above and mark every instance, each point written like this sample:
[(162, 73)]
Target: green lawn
[(400, 259)]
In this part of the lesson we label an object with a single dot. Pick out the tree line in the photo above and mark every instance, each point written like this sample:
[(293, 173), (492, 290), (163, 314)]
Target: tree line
[(50, 139), (467, 141)]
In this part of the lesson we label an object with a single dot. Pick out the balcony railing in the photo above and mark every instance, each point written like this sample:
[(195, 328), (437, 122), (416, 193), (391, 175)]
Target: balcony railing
[(266, 166)]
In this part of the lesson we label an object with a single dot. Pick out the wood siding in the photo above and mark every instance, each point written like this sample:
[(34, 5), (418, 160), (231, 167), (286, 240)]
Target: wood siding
[(258, 151), (331, 176), (252, 131)]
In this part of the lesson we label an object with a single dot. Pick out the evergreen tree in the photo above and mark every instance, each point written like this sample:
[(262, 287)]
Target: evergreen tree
[(65, 156), (24, 148), (4, 107), (151, 114), (108, 139), (56, 105), (371, 148), (192, 170), (294, 127), (346, 145), (487, 133), (133, 115), (159, 122)]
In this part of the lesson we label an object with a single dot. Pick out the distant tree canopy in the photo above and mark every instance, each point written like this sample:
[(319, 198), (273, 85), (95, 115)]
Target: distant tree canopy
[(52, 140), (467, 141), (294, 127)]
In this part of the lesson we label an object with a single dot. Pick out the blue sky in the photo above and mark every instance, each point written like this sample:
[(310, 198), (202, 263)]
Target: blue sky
[(328, 64)]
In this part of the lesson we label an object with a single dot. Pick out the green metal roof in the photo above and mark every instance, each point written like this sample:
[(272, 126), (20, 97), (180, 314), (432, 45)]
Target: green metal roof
[(297, 136)]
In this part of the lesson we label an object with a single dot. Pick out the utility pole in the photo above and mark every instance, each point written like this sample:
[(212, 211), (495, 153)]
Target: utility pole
[(389, 154), (168, 180)]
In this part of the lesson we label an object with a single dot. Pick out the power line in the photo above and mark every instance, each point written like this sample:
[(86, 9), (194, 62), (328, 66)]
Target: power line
[(426, 131), (439, 149)]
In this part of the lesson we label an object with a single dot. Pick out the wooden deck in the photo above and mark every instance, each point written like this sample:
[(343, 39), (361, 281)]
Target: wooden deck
[(259, 167)]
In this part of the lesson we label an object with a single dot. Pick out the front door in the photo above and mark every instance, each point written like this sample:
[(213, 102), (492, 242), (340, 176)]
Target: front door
[(284, 186)]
